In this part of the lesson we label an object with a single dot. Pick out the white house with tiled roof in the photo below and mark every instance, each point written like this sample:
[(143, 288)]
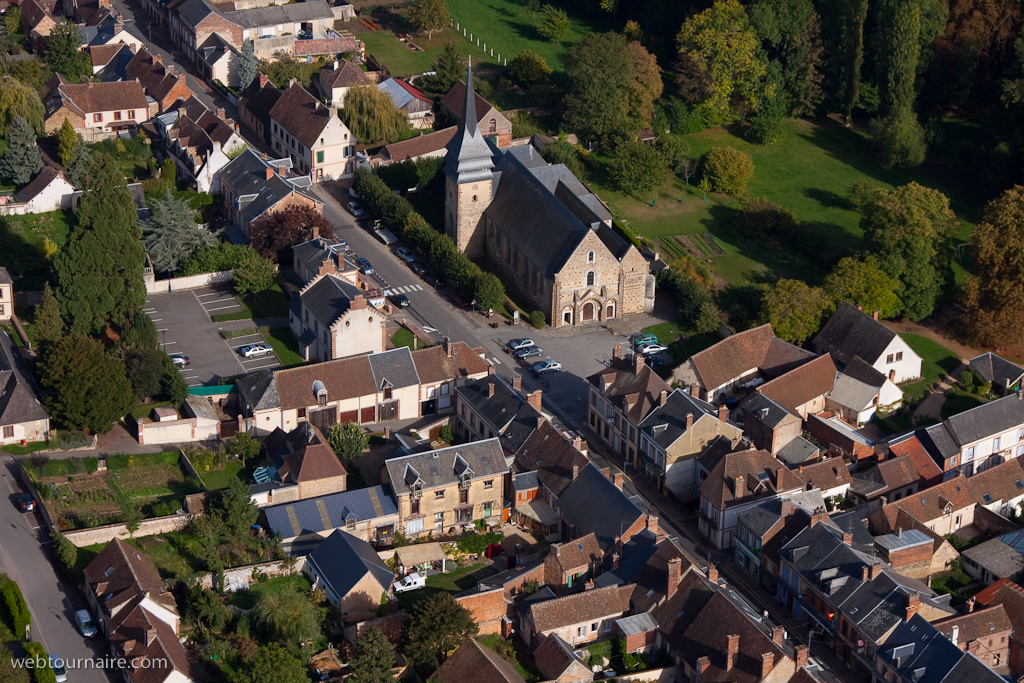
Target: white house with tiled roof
[(312, 135)]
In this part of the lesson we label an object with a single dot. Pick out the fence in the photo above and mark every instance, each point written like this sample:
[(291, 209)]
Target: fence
[(188, 282), (238, 578)]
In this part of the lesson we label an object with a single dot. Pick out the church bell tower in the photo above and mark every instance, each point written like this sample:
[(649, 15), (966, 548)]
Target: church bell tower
[(469, 180)]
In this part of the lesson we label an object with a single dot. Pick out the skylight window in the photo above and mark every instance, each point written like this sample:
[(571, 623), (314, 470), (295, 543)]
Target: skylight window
[(988, 498), (1019, 484)]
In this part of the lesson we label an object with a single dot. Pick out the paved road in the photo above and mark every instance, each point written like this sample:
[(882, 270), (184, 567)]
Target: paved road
[(26, 555)]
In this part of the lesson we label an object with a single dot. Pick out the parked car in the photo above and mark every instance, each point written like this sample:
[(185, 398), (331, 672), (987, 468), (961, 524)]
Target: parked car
[(654, 361), (352, 193), (180, 359), (434, 281), (364, 266), (732, 403), (60, 674), (385, 236), (418, 268), (85, 623), (639, 339), (355, 209), (255, 350), (410, 582), (400, 300), (26, 503), (516, 344), (546, 366), (405, 253), (528, 352), (651, 348)]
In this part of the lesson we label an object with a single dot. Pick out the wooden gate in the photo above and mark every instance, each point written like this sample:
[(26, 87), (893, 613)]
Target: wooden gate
[(387, 411), (323, 418)]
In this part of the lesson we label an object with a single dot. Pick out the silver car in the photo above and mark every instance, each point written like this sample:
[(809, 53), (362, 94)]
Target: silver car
[(254, 350), (60, 674), (85, 623)]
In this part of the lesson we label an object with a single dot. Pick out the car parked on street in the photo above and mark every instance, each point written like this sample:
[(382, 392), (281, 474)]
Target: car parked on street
[(528, 352), (640, 339), (434, 281), (546, 366), (60, 674), (352, 193), (364, 266), (26, 503), (418, 268), (516, 344), (180, 359), (651, 348), (355, 209), (255, 350), (406, 254), (85, 623), (400, 300)]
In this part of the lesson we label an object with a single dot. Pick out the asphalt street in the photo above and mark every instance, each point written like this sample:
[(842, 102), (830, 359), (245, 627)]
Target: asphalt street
[(26, 555)]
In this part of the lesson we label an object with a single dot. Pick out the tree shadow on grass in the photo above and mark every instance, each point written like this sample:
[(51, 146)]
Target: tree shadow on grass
[(828, 198)]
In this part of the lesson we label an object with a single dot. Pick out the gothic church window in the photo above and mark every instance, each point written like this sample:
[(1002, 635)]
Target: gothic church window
[(591, 276)]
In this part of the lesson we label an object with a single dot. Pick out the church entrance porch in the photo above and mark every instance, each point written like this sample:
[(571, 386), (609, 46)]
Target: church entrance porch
[(588, 311)]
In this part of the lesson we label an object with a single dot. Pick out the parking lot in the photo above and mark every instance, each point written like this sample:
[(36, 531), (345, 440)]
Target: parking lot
[(183, 322)]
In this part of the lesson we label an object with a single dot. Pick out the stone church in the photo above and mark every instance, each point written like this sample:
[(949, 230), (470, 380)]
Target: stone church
[(544, 234)]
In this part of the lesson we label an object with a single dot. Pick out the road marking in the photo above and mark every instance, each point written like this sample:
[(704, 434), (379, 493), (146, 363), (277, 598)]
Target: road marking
[(387, 292), (164, 329), (156, 320), (192, 377), (419, 288), (429, 329), (200, 296), (195, 385), (149, 310), (230, 298), (223, 308), (166, 343), (495, 361), (272, 365)]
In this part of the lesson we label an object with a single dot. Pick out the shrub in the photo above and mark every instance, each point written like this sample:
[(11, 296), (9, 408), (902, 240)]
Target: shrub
[(728, 169), (476, 544), (762, 217), (43, 674), (860, 193), (67, 552), (16, 606), (90, 463), (118, 462), (447, 434), (537, 319)]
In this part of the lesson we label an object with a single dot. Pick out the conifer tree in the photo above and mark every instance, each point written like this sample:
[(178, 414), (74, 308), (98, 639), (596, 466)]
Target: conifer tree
[(247, 65), (48, 323), (67, 142), (22, 159), (374, 658)]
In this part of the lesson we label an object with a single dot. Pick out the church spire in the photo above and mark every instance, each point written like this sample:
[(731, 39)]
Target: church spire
[(469, 156)]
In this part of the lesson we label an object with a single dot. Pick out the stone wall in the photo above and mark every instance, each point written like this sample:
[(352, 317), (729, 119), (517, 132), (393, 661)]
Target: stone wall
[(274, 568), (666, 675), (108, 532), (154, 286)]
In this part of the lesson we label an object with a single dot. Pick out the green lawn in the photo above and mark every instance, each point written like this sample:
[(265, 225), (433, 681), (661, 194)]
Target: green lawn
[(146, 409), (272, 303), (937, 359), (523, 663), (808, 172), (673, 335), (22, 237), (285, 345), (453, 582), (219, 479), (950, 581), (400, 60), (278, 584), (403, 338)]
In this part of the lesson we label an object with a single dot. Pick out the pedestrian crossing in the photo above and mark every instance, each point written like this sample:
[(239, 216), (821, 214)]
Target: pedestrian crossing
[(494, 361), (403, 290)]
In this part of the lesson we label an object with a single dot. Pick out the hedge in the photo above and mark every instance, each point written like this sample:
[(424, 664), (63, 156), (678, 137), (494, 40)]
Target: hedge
[(43, 674), (16, 606)]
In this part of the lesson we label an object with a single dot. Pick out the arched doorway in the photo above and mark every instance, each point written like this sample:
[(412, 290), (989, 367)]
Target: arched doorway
[(609, 312), (567, 316), (588, 311)]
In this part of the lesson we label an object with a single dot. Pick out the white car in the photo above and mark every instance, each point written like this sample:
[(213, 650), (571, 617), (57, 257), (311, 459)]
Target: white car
[(85, 623), (410, 582), (254, 350), (516, 344), (355, 209), (60, 674), (405, 253), (546, 366), (651, 348), (353, 194)]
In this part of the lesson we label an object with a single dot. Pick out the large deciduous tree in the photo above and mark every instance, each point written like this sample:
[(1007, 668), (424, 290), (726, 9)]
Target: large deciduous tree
[(435, 627), (371, 114), (528, 67), (908, 230), (790, 33), (85, 386), (22, 159), (898, 135), (347, 440), (795, 310), (994, 296), (271, 663), (171, 234), (721, 64), (277, 233), (99, 270), (638, 167), (863, 283), (63, 54), (18, 99), (429, 16), (253, 274)]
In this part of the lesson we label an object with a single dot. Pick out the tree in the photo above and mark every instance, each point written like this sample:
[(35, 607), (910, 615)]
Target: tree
[(248, 65), (554, 23), (22, 159), (908, 230), (285, 66), (347, 440), (277, 233), (245, 446), (435, 627), (374, 658), (993, 296), (795, 310), (287, 615), (728, 169), (80, 166), (144, 368), (429, 16), (171, 233), (253, 274), (204, 608), (131, 514), (637, 167), (674, 150), (12, 21), (172, 384), (686, 169), (528, 67), (643, 88), (449, 67), (371, 114), (62, 53), (720, 49), (271, 663), (49, 325), (139, 330), (67, 142), (18, 99), (863, 283), (86, 387), (99, 269), (766, 126), (488, 292), (708, 318), (562, 152), (790, 33), (67, 552), (236, 507), (898, 135)]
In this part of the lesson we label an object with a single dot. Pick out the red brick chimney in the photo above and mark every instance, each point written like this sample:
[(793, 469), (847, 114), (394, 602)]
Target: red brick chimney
[(490, 390), (575, 471), (737, 485), (675, 569), (663, 398), (801, 656), (638, 363), (767, 664), (970, 605), (689, 419), (865, 573), (778, 633), (357, 303), (517, 381), (490, 369), (820, 515), (723, 413), (732, 649), (617, 480), (157, 59), (616, 352), (712, 573), (577, 442), (913, 604), (876, 569), (702, 664), (263, 80), (533, 398), (652, 524), (221, 113), (848, 537), (588, 586), (875, 315), (270, 172), (787, 509)]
